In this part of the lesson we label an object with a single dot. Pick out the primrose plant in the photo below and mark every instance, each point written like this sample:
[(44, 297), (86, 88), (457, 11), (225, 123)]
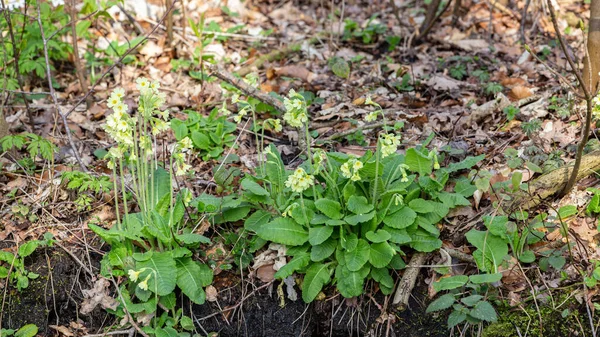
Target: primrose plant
[(345, 219), (150, 245)]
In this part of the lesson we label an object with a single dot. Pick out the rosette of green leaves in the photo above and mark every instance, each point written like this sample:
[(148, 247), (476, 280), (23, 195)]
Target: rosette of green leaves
[(342, 231), (160, 248)]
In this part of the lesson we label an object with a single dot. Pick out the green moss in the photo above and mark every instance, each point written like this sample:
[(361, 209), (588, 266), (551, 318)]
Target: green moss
[(527, 320)]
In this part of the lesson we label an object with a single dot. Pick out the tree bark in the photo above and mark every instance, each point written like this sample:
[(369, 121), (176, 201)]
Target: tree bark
[(591, 63), (3, 126)]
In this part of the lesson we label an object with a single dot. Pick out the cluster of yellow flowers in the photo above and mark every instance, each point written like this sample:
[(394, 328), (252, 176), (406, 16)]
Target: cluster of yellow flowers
[(300, 181), (119, 126), (350, 169), (273, 124), (295, 106), (389, 144), (182, 148), (403, 168), (372, 116), (135, 275)]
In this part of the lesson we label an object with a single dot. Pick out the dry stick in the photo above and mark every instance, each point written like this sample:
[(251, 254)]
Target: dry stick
[(407, 283), (244, 87), (129, 51), (588, 100), (523, 20), (554, 181), (53, 94), (275, 55), (112, 333), (169, 24), (357, 129), (78, 67), (16, 62), (425, 29)]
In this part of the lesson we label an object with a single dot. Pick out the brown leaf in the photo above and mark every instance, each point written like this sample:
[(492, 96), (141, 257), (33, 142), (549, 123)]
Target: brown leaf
[(211, 293), (519, 92), (62, 330), (98, 295), (266, 273), (296, 71)]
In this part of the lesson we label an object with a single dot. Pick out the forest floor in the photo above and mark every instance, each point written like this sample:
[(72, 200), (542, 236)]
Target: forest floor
[(469, 84)]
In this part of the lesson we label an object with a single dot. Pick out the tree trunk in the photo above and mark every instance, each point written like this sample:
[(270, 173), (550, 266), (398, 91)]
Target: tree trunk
[(590, 76)]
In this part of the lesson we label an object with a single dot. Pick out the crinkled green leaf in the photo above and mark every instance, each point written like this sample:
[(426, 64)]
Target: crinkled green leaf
[(316, 277), (285, 231)]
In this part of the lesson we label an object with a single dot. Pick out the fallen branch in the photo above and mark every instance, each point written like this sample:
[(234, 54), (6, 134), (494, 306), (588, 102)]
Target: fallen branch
[(407, 283), (245, 88), (274, 55), (554, 182), (358, 129)]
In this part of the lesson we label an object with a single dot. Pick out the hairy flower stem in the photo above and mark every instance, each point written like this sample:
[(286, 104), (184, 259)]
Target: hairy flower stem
[(304, 211)]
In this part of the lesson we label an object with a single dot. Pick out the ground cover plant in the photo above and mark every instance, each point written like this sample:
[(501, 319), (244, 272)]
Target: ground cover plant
[(266, 168)]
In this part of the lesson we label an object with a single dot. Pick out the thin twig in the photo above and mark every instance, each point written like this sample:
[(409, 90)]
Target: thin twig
[(16, 62), (53, 94), (111, 333), (588, 99), (244, 87), (118, 62), (358, 129)]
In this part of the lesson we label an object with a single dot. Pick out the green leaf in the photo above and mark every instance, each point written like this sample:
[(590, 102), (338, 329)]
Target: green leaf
[(201, 140), (567, 211), (187, 323), (490, 252), (381, 254), (316, 277), (339, 66), (465, 188), (380, 235), (192, 238), (485, 278), (471, 300), (285, 231), (255, 221), (28, 330), (422, 206), (161, 268), (28, 248), (298, 262), (359, 205), (484, 311), (254, 187), (349, 283), (451, 282), (423, 241), (318, 234), (324, 250), (527, 257), (330, 208), (401, 219), (192, 277), (418, 162), (442, 303), (359, 218), (456, 317), (357, 258), (399, 236), (464, 164)]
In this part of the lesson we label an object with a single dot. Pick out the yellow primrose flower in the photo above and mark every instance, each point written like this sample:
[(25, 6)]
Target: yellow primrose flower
[(115, 152), (119, 93), (113, 101), (398, 199), (142, 83), (369, 101), (433, 155), (389, 144), (289, 209), (371, 116), (299, 181), (144, 284), (155, 85), (403, 168), (134, 275), (238, 118), (120, 108), (112, 121), (223, 110), (350, 169), (182, 169), (185, 144), (274, 124)]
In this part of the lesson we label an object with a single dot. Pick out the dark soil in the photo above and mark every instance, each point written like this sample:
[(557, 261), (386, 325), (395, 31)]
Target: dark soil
[(261, 315), (51, 299)]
